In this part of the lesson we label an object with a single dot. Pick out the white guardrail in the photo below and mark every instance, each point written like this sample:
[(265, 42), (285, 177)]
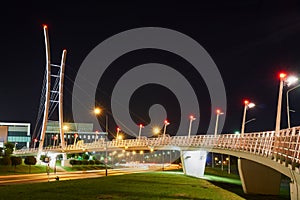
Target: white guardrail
[(285, 144)]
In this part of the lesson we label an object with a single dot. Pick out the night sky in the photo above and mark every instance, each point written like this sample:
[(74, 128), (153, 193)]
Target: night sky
[(250, 42)]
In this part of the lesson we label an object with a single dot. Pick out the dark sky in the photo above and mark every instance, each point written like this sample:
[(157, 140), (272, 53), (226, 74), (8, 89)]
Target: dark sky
[(250, 42)]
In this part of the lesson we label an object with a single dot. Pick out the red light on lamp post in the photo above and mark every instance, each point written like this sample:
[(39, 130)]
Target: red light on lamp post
[(282, 75)]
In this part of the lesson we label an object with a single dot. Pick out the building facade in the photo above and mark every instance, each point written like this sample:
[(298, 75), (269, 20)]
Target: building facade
[(17, 133), (81, 131)]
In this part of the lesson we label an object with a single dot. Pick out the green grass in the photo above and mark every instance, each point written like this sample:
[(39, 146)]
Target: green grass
[(84, 167), (218, 172), (167, 185), (21, 169), (232, 182)]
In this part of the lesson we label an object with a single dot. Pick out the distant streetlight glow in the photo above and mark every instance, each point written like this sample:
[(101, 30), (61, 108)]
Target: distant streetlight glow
[(291, 80), (66, 127), (156, 130), (97, 111)]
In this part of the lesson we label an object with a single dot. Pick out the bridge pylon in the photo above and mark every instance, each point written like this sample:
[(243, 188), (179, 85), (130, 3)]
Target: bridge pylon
[(53, 94)]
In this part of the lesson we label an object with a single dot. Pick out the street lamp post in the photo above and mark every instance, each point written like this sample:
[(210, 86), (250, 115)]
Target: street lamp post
[(218, 112), (75, 138), (54, 140), (282, 76), (98, 111), (166, 123), (118, 131), (287, 104), (34, 143), (15, 147), (96, 135), (106, 157), (289, 81), (192, 118), (140, 130), (247, 105)]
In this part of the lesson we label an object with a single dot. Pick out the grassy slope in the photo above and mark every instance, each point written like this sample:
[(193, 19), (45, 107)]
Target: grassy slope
[(133, 186)]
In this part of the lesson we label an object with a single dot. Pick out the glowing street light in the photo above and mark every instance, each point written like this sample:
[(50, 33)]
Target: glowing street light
[(66, 127), (192, 118), (140, 130), (97, 111), (288, 80), (156, 130), (218, 112), (120, 137), (247, 105), (166, 123)]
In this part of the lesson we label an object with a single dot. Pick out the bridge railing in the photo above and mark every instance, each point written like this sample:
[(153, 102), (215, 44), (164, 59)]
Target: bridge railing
[(284, 145)]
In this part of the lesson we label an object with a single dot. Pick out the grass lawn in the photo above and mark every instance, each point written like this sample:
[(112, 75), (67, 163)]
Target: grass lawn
[(21, 169), (133, 186)]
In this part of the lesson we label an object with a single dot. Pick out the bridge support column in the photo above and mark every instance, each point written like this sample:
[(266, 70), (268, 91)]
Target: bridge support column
[(65, 162), (258, 179), (193, 162), (294, 190)]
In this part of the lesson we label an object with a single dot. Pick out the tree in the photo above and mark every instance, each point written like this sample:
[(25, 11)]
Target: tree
[(15, 161), (8, 148), (72, 162), (5, 161), (30, 160), (1, 151), (91, 162), (85, 156)]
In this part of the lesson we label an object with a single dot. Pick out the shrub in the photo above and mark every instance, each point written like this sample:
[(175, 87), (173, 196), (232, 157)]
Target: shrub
[(98, 162), (72, 162), (15, 161), (5, 161), (30, 160), (91, 162), (85, 162)]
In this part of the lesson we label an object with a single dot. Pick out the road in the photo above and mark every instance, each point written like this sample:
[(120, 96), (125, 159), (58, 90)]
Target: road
[(43, 177)]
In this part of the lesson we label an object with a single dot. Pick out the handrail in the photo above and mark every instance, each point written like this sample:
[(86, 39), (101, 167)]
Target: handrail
[(285, 145)]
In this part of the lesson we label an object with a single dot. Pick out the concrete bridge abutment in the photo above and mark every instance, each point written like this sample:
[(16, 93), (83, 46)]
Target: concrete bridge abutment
[(258, 179), (193, 162)]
